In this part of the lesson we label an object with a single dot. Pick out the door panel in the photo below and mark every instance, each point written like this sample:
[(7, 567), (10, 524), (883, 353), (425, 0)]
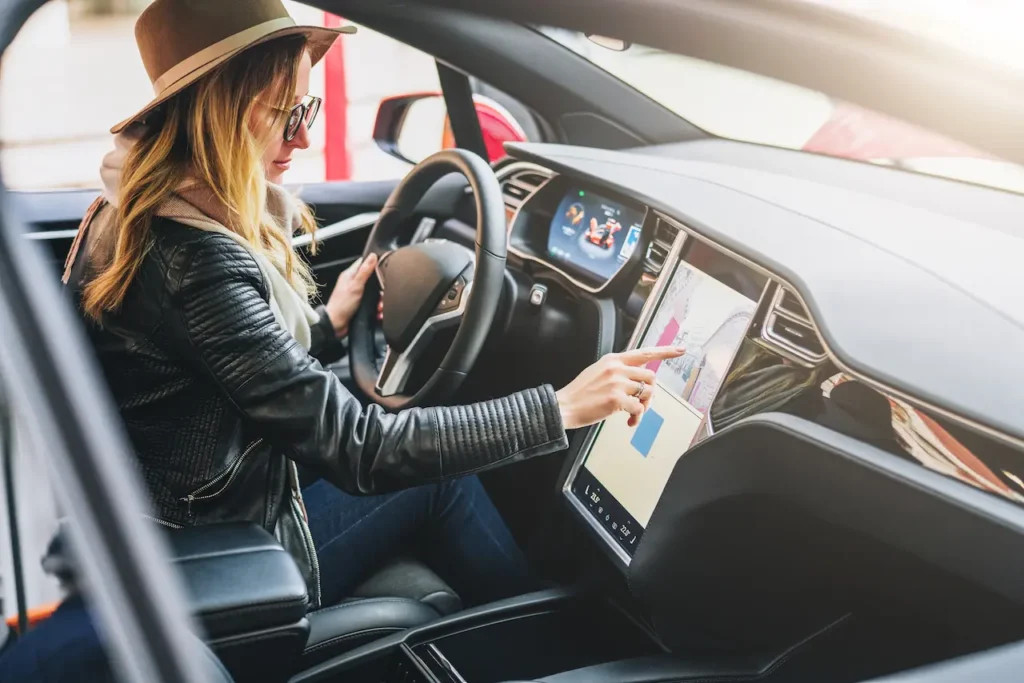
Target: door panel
[(53, 218)]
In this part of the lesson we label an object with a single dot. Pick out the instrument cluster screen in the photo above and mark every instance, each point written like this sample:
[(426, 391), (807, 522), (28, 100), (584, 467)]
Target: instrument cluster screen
[(593, 234)]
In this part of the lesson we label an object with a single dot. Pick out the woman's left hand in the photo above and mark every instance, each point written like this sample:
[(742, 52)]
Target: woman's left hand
[(348, 292)]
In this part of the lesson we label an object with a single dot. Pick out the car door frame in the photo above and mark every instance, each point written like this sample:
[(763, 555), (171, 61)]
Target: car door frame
[(53, 381)]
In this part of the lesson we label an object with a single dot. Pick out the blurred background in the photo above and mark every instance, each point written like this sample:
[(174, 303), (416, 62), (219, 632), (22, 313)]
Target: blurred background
[(74, 71)]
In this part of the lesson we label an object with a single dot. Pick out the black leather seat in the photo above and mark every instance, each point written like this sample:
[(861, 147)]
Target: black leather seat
[(406, 577), (401, 595), (251, 600), (239, 577)]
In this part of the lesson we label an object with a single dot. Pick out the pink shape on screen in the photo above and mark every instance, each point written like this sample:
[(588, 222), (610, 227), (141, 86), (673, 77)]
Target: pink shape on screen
[(667, 338)]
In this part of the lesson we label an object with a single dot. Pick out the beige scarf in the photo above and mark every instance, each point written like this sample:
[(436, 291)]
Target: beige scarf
[(197, 207)]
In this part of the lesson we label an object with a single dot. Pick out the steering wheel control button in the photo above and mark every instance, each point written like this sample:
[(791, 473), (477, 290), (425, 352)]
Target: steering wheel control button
[(453, 297), (538, 295)]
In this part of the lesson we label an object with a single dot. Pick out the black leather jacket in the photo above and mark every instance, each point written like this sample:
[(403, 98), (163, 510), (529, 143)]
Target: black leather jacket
[(220, 402)]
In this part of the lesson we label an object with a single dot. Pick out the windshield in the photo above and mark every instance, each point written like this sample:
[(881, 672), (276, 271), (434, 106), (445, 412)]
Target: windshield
[(740, 105), (989, 29)]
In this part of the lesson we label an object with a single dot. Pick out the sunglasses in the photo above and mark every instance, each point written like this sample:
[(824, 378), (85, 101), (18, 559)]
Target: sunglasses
[(303, 111)]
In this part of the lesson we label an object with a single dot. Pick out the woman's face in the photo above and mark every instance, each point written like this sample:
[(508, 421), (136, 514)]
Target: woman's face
[(278, 156)]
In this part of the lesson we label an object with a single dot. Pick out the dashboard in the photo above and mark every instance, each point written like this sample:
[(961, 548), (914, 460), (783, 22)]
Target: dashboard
[(663, 252)]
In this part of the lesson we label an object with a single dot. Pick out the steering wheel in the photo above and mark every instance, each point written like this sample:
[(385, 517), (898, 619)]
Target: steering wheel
[(429, 286)]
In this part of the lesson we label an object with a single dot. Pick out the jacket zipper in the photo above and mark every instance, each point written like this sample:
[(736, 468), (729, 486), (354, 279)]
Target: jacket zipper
[(230, 473), (306, 534), (164, 522)]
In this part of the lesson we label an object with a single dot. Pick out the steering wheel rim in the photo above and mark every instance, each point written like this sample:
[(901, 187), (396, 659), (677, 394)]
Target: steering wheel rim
[(478, 294)]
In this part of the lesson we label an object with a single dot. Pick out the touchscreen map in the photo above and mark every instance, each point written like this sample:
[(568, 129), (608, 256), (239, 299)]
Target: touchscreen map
[(593, 234), (632, 465)]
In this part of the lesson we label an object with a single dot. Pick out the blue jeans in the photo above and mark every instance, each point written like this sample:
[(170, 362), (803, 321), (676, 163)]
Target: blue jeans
[(452, 526), (64, 648)]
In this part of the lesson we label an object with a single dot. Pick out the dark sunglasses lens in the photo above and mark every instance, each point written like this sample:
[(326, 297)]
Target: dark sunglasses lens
[(312, 109), (294, 121)]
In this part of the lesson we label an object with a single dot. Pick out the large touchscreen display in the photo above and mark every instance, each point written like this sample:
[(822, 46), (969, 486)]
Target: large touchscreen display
[(593, 234), (626, 469)]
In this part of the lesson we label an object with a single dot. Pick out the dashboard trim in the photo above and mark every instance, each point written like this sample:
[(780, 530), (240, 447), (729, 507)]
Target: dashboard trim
[(709, 425), (912, 400)]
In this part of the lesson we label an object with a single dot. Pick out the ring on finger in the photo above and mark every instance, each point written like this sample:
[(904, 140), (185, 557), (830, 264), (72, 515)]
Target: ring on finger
[(641, 387)]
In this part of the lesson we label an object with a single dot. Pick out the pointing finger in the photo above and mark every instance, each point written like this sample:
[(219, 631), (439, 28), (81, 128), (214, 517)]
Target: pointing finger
[(646, 355)]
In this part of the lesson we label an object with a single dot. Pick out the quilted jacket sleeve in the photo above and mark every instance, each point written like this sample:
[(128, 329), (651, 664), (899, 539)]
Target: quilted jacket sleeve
[(218, 308)]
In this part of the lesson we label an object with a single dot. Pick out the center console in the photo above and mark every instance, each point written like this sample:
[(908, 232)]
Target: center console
[(553, 636), (526, 638)]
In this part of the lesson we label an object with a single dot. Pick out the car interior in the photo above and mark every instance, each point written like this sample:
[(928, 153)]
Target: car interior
[(829, 484)]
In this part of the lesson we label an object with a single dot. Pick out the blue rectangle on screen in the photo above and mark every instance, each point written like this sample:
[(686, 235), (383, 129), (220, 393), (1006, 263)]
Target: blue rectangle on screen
[(646, 432)]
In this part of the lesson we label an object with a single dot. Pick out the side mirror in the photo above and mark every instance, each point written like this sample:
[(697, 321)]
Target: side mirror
[(412, 127), (409, 127)]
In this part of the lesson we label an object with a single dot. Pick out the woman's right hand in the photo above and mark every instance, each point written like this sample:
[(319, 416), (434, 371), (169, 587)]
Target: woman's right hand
[(612, 384)]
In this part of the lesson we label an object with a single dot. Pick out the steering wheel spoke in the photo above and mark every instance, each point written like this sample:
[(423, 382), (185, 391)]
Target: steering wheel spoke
[(394, 373), (379, 271), (397, 367)]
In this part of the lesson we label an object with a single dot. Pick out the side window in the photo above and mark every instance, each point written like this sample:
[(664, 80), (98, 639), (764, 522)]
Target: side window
[(36, 518), (79, 58), (391, 89), (356, 75)]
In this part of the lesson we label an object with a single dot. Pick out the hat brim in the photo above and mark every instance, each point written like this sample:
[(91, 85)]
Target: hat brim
[(320, 41)]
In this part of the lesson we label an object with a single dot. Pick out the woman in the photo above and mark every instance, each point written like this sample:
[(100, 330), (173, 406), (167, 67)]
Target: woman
[(198, 309)]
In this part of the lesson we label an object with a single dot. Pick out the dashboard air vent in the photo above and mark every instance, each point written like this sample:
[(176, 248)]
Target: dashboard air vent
[(788, 328), (661, 245), (657, 254), (665, 234), (788, 303), (518, 183), (534, 179)]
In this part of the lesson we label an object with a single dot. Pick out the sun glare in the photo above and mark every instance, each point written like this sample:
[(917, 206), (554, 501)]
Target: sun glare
[(989, 29)]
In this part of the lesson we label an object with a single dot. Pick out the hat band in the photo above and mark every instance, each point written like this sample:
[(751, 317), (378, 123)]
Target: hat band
[(219, 49)]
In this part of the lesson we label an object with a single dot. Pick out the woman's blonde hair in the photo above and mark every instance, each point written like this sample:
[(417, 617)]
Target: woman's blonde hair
[(204, 133)]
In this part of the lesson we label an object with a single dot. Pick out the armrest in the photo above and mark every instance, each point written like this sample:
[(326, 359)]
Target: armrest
[(239, 578), (338, 629)]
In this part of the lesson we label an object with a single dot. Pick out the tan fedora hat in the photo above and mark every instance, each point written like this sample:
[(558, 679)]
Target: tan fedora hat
[(182, 40)]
